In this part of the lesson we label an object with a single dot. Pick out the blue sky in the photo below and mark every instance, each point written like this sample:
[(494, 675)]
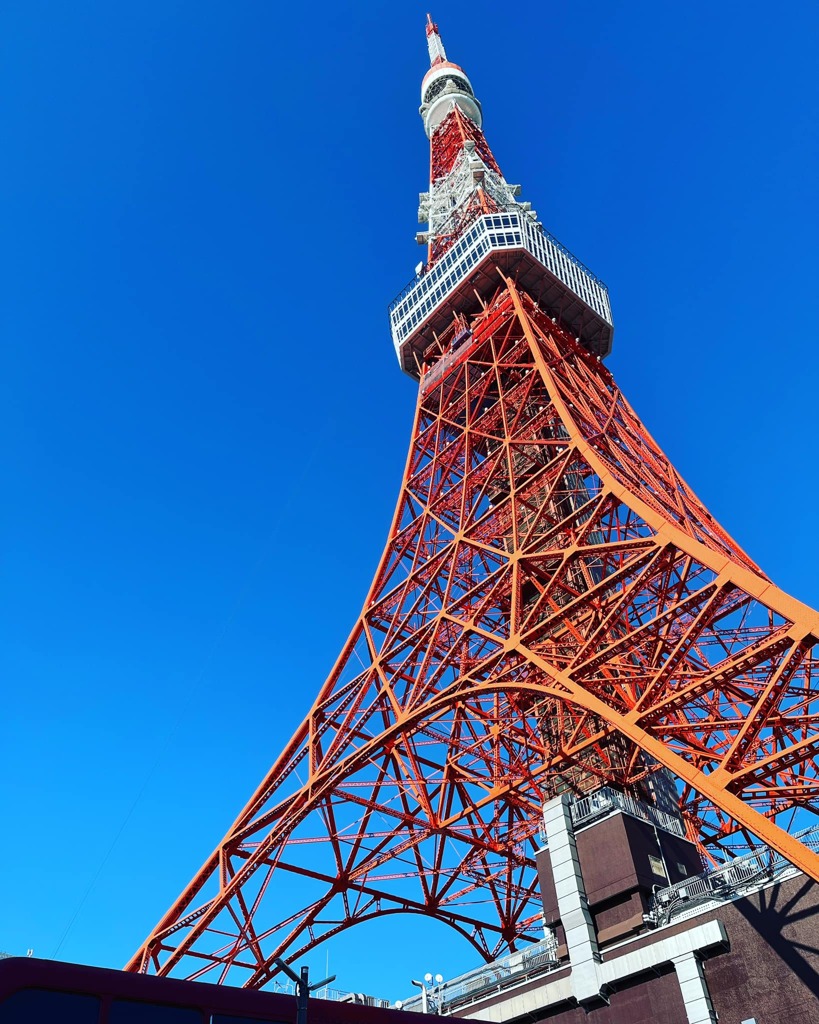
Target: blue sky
[(206, 209)]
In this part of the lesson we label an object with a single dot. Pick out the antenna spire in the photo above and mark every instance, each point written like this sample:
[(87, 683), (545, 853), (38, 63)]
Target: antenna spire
[(437, 53)]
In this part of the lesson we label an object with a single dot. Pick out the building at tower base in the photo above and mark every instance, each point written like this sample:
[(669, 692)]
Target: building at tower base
[(637, 932)]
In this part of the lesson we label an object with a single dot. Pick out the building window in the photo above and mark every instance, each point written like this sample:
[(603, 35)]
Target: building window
[(37, 1004), (127, 1012)]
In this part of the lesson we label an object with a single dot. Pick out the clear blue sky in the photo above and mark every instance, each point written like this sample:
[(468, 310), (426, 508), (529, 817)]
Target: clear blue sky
[(206, 208)]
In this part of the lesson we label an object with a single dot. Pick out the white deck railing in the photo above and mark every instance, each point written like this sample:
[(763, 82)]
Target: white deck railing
[(728, 881), (496, 231), (539, 958)]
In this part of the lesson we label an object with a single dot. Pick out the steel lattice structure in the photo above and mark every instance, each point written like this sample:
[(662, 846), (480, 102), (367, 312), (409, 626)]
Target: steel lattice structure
[(555, 609)]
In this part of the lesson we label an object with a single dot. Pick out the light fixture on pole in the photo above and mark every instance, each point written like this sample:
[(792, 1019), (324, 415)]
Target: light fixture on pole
[(424, 1002), (303, 987), (430, 1005)]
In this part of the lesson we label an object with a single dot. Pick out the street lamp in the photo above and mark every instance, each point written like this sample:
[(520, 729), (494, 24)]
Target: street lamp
[(427, 1004), (424, 1003), (303, 987)]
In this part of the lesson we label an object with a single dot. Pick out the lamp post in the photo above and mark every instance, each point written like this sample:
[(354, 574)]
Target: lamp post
[(430, 1005), (439, 1002), (303, 987), (424, 997)]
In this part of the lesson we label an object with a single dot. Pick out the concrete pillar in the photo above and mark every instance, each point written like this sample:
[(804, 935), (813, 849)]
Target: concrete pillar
[(694, 988), (572, 904)]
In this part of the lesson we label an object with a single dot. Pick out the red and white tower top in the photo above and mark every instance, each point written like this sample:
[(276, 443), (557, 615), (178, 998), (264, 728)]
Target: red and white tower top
[(444, 85), (475, 226)]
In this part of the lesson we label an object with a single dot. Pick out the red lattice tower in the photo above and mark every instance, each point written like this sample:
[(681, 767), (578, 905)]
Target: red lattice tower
[(555, 609)]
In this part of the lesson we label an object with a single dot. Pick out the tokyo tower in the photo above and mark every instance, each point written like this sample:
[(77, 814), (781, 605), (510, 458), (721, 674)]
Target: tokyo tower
[(554, 611)]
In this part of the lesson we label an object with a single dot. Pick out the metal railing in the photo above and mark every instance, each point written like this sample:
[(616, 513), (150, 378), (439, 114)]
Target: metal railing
[(604, 801), (727, 882), (334, 995), (539, 958)]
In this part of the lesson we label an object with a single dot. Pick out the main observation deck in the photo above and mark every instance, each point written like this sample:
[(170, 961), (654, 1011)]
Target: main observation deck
[(468, 272)]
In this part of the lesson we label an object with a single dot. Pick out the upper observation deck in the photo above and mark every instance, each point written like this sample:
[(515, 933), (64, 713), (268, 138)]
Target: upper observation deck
[(467, 273)]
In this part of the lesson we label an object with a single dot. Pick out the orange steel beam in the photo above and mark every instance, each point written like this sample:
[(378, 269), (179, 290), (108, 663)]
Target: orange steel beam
[(553, 604)]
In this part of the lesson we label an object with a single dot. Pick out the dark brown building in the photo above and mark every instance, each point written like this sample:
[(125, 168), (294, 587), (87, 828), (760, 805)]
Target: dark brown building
[(643, 934)]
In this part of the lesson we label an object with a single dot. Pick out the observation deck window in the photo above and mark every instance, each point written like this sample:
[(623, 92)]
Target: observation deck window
[(499, 231)]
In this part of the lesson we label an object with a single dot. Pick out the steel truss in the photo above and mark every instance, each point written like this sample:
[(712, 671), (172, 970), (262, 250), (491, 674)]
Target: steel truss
[(554, 607)]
